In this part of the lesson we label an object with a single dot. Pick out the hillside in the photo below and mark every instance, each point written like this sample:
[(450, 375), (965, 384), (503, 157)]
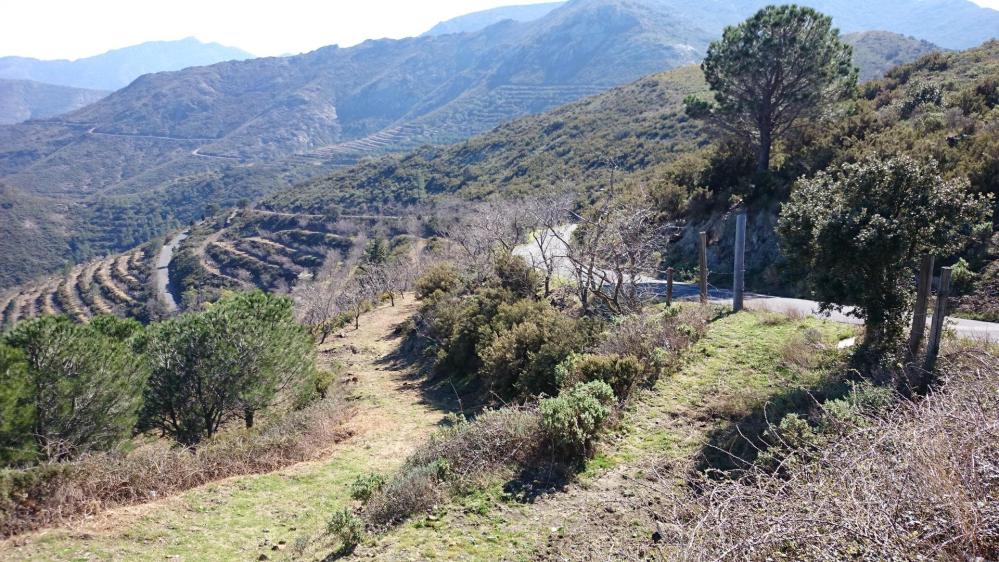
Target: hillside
[(476, 21), (21, 100), (160, 149), (877, 52), (203, 134), (117, 68), (643, 129)]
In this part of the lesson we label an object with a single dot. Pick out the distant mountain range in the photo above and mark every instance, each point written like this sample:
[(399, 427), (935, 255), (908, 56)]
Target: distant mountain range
[(158, 150), (952, 24), (876, 52), (21, 100), (117, 68)]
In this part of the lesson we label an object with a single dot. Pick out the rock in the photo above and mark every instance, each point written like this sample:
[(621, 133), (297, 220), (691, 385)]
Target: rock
[(657, 536), (263, 557)]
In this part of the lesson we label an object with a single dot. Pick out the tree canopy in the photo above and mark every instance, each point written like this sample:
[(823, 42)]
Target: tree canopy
[(782, 65)]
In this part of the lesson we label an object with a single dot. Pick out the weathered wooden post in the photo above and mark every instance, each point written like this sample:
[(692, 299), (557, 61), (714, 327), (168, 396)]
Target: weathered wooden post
[(669, 286), (939, 314), (923, 283), (703, 251), (739, 276)]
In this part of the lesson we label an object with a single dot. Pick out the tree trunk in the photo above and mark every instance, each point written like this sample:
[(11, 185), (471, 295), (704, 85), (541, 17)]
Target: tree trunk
[(763, 156)]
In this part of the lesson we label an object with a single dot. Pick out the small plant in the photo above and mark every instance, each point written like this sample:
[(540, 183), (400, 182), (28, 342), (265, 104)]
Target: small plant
[(439, 280), (622, 373), (365, 485), (347, 528), (574, 418), (962, 278)]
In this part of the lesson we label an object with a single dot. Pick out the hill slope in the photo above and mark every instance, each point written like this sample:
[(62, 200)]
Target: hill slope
[(477, 21), (21, 100), (877, 52), (116, 68)]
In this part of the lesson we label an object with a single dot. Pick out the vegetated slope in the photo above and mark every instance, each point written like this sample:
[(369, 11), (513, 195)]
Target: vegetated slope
[(941, 107), (476, 21), (876, 52), (200, 128), (116, 68), (21, 100)]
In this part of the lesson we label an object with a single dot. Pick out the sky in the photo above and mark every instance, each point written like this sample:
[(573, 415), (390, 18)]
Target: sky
[(50, 29), (72, 29)]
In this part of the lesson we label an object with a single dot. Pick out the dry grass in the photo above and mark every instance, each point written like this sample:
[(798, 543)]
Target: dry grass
[(919, 483), (57, 492)]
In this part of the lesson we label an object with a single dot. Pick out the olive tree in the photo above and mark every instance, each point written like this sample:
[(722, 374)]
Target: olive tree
[(855, 232), (782, 65)]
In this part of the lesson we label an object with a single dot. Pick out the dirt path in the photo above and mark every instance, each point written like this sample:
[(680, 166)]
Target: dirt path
[(245, 517)]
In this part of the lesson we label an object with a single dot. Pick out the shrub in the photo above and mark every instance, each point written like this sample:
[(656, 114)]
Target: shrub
[(655, 338), (574, 418), (346, 528), (365, 485), (415, 489), (621, 373), (962, 278), (437, 281), (516, 275)]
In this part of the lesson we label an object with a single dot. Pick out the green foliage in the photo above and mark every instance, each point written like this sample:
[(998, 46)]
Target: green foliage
[(525, 341), (621, 373), (365, 485), (346, 528), (962, 278), (81, 388), (856, 230), (17, 414), (574, 418), (242, 355), (439, 280), (783, 64), (516, 275)]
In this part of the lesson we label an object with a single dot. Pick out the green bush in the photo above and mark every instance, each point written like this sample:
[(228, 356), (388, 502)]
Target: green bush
[(962, 278), (621, 373), (437, 281), (365, 485), (573, 419), (346, 528), (516, 275)]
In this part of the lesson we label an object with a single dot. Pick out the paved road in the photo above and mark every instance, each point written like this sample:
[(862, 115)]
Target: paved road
[(164, 289), (973, 329)]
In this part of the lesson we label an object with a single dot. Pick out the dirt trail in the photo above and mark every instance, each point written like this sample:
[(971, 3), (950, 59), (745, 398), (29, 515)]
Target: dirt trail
[(244, 517)]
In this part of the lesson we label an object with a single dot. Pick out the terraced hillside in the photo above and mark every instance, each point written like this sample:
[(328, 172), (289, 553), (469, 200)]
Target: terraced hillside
[(117, 284)]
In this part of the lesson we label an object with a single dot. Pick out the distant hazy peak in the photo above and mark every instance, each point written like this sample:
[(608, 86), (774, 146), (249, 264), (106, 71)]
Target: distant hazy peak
[(477, 21), (119, 67)]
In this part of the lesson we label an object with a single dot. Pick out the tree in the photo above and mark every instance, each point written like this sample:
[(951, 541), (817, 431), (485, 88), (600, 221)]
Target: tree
[(783, 65), (83, 388), (16, 412), (242, 355), (855, 233)]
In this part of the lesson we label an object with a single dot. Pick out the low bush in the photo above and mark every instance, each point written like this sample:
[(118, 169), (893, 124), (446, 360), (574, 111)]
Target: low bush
[(574, 418), (458, 458), (656, 339), (365, 485), (437, 281), (346, 528), (621, 373), (50, 492)]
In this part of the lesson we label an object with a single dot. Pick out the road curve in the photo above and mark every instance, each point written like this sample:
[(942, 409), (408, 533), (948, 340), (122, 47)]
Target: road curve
[(165, 290), (972, 329)]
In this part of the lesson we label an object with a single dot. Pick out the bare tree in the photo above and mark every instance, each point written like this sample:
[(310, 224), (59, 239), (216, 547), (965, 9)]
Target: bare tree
[(614, 248), (478, 231), (547, 213)]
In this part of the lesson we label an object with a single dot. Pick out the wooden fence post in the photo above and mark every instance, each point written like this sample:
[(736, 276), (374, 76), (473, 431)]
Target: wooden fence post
[(669, 286), (939, 314), (703, 251), (739, 275), (923, 283)]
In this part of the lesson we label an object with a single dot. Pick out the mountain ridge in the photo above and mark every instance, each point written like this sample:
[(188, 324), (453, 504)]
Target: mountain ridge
[(22, 100)]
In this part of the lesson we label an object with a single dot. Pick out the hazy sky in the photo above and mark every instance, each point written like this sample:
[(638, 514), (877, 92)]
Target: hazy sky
[(78, 28)]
